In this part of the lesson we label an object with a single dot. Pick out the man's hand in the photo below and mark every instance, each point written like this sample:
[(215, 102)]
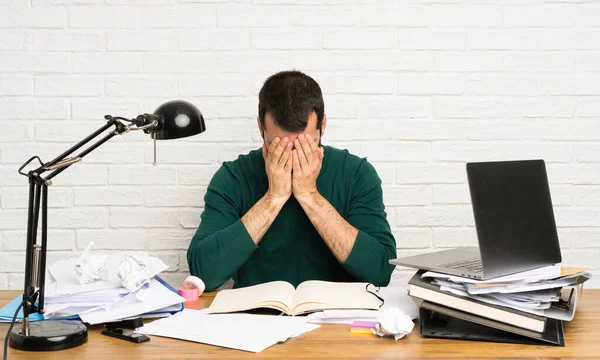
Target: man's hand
[(307, 159), (278, 164)]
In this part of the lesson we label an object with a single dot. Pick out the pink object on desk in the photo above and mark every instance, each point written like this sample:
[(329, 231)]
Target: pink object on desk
[(364, 325), (189, 294), (192, 288)]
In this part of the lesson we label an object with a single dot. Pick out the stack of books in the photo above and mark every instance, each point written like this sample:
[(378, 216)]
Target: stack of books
[(523, 308)]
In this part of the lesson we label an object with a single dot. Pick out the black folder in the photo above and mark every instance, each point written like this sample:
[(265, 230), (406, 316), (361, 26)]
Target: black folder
[(438, 321)]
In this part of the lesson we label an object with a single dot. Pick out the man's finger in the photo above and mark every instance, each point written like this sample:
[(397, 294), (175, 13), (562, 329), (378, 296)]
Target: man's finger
[(314, 148), (264, 151), (278, 150), (305, 147), (296, 163), (290, 162), (301, 156), (286, 154), (272, 146)]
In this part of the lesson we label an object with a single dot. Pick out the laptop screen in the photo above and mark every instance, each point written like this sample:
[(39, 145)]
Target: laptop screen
[(513, 215)]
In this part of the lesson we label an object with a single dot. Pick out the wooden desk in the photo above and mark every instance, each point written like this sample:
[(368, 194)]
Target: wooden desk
[(582, 337)]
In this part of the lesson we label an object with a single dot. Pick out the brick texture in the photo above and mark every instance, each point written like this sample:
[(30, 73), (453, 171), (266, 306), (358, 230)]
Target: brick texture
[(418, 87)]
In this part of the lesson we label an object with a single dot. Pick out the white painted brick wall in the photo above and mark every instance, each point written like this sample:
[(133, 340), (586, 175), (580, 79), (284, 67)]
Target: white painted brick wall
[(419, 87)]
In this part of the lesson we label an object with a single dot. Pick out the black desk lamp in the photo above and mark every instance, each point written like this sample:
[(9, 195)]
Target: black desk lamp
[(172, 120)]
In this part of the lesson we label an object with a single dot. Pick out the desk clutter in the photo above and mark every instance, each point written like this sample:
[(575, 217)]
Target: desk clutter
[(223, 324), (119, 290), (104, 288), (526, 308)]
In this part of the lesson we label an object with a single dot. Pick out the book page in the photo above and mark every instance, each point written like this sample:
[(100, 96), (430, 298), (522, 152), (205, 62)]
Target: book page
[(320, 295), (277, 295)]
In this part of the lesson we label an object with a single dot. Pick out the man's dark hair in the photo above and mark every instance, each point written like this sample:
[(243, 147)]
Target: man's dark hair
[(290, 96)]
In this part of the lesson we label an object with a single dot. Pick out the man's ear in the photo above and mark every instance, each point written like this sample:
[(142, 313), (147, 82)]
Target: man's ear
[(323, 125), (260, 127)]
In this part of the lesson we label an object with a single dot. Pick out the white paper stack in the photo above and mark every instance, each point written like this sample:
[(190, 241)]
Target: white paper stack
[(107, 300), (150, 298), (550, 292), (245, 332)]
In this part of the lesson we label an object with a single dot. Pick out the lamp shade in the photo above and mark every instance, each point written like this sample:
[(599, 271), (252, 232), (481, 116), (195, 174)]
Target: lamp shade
[(178, 119)]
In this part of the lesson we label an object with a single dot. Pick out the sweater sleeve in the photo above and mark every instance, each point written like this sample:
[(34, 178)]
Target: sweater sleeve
[(375, 245), (221, 244)]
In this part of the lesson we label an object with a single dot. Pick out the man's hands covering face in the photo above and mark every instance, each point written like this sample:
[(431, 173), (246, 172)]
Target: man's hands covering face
[(278, 164), (305, 159)]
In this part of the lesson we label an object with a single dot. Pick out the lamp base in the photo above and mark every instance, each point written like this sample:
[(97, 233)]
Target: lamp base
[(49, 335)]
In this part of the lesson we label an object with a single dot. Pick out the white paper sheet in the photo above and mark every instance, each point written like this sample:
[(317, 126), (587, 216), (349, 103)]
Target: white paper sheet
[(537, 296), (550, 311), (538, 285), (149, 298), (66, 281), (92, 297), (338, 320), (393, 296), (547, 272), (342, 316), (236, 331), (396, 296), (488, 298)]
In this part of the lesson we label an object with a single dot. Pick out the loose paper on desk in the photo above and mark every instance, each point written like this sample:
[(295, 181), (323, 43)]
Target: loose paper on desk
[(548, 309), (393, 296), (342, 316), (547, 272), (236, 331), (577, 278), (150, 297), (60, 306), (536, 300), (397, 297)]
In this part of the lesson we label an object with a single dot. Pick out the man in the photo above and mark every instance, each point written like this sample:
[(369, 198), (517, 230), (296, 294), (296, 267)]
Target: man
[(295, 210)]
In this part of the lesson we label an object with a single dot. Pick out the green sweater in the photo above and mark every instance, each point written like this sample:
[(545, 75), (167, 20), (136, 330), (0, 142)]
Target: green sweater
[(291, 250)]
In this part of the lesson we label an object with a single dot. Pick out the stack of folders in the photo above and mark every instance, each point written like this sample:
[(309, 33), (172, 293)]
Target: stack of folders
[(522, 310)]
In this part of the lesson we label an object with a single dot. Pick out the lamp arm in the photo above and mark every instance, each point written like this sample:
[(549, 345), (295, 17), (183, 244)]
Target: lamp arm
[(171, 120), (66, 164), (35, 255)]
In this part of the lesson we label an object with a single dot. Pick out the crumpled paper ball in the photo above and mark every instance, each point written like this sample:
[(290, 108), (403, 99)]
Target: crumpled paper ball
[(132, 271), (393, 321), (90, 268)]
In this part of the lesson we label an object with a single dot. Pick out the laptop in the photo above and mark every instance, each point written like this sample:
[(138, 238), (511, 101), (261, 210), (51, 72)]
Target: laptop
[(514, 219)]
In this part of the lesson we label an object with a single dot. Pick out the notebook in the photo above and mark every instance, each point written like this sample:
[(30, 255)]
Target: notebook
[(423, 289), (310, 296)]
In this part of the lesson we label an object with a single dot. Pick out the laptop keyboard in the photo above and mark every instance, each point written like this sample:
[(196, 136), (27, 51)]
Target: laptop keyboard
[(474, 265)]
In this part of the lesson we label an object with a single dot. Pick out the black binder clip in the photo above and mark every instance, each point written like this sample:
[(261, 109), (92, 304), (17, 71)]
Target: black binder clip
[(564, 304)]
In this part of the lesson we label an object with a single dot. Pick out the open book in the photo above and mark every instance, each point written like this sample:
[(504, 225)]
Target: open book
[(310, 296)]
